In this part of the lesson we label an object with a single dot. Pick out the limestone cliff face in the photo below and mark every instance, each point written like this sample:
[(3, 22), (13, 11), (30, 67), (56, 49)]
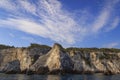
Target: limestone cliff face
[(55, 60), (12, 67), (26, 57), (92, 62), (9, 55)]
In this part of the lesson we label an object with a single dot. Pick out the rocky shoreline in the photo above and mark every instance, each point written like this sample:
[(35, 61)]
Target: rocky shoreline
[(56, 60)]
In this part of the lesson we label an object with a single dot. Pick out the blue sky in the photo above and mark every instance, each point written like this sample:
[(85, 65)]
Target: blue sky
[(78, 23)]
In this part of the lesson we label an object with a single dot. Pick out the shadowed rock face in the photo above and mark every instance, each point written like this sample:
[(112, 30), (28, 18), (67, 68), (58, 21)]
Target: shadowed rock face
[(54, 61), (12, 67)]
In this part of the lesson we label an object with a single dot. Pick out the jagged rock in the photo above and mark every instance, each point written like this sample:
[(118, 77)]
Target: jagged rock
[(39, 60), (54, 61), (12, 67), (9, 55), (25, 56), (96, 62)]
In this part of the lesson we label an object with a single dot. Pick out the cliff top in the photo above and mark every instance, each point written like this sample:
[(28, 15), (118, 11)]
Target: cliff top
[(56, 45), (2, 46)]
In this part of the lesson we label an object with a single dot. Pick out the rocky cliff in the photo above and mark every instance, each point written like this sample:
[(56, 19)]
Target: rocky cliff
[(10, 55), (24, 56), (55, 61), (42, 60), (96, 62)]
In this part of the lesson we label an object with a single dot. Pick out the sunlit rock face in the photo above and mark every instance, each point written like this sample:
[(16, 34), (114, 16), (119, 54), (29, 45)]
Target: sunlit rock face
[(94, 62), (26, 57), (9, 55), (55, 61)]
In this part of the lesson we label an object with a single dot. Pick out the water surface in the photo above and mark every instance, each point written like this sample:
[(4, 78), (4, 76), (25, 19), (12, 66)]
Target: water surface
[(58, 77)]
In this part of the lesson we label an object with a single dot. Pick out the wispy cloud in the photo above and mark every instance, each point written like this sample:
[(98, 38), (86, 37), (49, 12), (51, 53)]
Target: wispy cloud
[(12, 35), (30, 39), (114, 24), (111, 45), (48, 19), (7, 4), (104, 17), (101, 21)]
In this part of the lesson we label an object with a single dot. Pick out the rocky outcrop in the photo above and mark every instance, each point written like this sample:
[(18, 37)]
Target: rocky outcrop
[(96, 62), (55, 61), (12, 67), (10, 55), (25, 56)]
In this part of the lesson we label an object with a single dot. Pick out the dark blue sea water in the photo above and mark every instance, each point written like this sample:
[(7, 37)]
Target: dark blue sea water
[(58, 77)]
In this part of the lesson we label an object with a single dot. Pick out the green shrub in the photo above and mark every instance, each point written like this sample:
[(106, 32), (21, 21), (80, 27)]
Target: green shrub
[(34, 45), (5, 46), (93, 49)]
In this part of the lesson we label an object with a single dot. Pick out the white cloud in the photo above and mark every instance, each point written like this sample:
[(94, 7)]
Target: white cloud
[(30, 39), (111, 45), (7, 4), (102, 20), (114, 24), (12, 35), (53, 21), (56, 23), (29, 7)]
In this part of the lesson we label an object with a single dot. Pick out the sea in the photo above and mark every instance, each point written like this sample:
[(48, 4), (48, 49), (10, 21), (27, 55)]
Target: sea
[(59, 77)]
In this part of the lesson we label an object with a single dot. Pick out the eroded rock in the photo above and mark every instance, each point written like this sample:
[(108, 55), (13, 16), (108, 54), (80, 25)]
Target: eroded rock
[(40, 61), (55, 61), (12, 67)]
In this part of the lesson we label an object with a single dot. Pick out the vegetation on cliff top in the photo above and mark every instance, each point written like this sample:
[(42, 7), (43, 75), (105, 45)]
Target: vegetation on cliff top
[(34, 45), (5, 46), (93, 49)]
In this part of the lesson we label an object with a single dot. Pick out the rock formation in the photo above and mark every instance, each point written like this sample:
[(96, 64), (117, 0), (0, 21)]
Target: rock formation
[(25, 56), (9, 55), (96, 62), (42, 60), (12, 67), (55, 61)]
